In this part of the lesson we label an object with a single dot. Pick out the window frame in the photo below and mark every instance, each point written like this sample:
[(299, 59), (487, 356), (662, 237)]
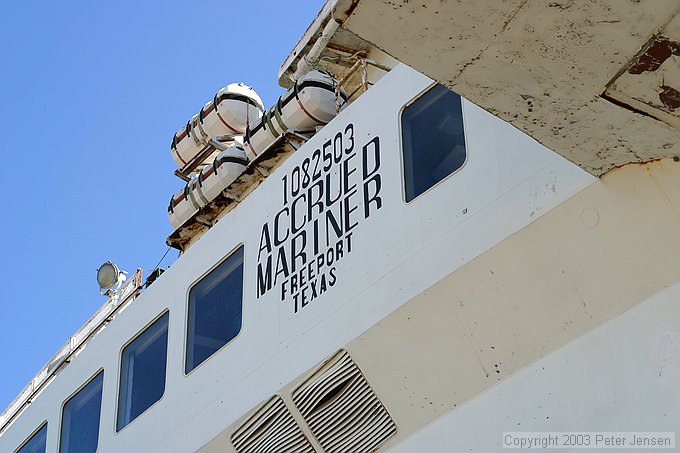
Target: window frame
[(401, 142), (185, 345), (116, 430), (70, 397), (44, 424)]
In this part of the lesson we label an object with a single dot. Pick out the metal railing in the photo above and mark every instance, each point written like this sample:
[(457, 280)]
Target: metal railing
[(363, 64), (128, 291)]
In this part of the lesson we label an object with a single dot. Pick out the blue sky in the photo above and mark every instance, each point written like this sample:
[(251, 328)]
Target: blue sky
[(91, 94)]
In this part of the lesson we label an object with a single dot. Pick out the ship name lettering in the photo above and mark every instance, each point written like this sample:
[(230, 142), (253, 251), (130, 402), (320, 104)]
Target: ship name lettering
[(325, 199)]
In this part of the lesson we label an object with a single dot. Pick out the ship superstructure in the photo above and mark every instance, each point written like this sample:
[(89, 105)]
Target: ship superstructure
[(410, 273)]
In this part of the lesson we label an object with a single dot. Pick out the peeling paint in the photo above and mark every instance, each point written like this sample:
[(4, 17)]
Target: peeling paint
[(651, 59), (571, 62), (561, 6), (670, 97)]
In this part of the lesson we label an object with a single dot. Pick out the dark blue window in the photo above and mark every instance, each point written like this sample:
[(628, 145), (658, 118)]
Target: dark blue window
[(37, 442), (80, 419), (433, 139), (215, 307), (142, 374)]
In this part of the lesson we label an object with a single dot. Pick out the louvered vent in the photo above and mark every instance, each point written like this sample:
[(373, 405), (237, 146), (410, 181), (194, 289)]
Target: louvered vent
[(341, 409), (271, 429)]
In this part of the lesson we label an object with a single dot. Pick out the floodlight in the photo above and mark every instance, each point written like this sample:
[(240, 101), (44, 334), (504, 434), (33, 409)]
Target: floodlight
[(108, 275)]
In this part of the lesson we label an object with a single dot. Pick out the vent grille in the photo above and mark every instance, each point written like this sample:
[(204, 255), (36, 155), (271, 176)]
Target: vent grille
[(342, 410), (271, 429)]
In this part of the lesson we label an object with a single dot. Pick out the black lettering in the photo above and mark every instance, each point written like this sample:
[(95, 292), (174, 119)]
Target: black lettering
[(376, 158), (375, 197), (337, 147), (329, 200), (303, 277), (346, 173), (311, 271), (284, 285), (347, 202), (305, 172), (265, 242), (350, 130), (315, 202), (316, 236), (285, 189), (281, 265), (264, 277), (332, 221), (299, 252), (327, 156), (326, 178), (294, 228), (338, 250), (303, 293), (295, 181), (331, 281), (293, 283), (316, 157), (278, 241)]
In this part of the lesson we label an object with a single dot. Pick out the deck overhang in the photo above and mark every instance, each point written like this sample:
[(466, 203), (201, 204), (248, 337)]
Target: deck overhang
[(597, 81)]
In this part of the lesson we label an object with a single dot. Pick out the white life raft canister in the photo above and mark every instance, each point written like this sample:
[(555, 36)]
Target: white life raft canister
[(309, 103), (230, 112), (213, 179)]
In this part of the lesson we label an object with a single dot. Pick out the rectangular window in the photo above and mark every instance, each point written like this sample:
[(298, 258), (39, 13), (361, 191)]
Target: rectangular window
[(433, 139), (142, 373), (36, 443), (80, 419), (215, 306)]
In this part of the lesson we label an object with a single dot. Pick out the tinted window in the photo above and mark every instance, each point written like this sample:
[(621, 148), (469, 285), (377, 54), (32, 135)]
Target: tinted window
[(433, 139), (215, 306), (36, 444), (142, 374), (80, 419)]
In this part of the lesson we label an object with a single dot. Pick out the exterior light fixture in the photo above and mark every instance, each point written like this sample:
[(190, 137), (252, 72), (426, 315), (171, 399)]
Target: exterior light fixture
[(108, 276)]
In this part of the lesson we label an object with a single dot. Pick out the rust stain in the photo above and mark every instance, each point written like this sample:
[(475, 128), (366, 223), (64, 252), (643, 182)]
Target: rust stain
[(643, 164), (670, 97), (351, 9), (661, 50)]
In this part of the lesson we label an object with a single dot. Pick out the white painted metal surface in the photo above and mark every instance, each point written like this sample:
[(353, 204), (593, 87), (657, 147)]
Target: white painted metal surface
[(621, 377), (117, 301), (375, 268)]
